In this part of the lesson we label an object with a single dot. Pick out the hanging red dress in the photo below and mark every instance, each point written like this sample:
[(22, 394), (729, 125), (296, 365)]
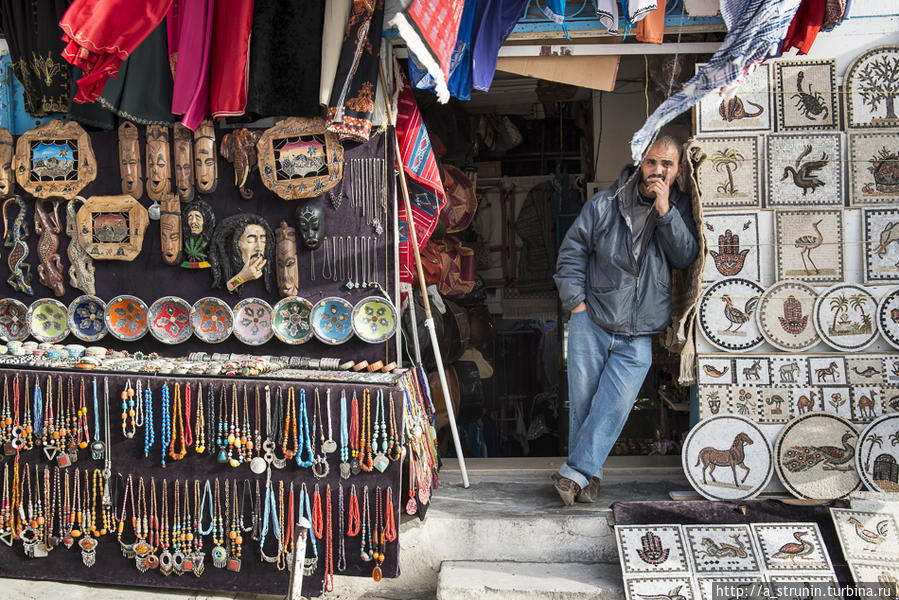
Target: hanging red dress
[(805, 26)]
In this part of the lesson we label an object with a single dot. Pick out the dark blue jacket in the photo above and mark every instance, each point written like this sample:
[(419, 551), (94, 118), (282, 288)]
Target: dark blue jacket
[(596, 265)]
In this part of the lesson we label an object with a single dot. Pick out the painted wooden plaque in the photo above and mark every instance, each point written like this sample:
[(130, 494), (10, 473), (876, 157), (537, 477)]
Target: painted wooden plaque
[(299, 159), (54, 160)]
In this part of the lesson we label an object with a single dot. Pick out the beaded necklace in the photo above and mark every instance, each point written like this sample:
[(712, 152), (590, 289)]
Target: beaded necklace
[(177, 534), (344, 439), (138, 406), (329, 542), (219, 553), (280, 432), (38, 410), (394, 446), (411, 505), (141, 527), (5, 512), (84, 435), (269, 516), (166, 428), (189, 435), (97, 447), (389, 517), (67, 518), (256, 444), (341, 545), (210, 420), (153, 534), (246, 444), (234, 431), (309, 563), (353, 522), (380, 461), (200, 428), (320, 466), (366, 461), (378, 535), (149, 429), (365, 534), (355, 468), (129, 415), (88, 543), (199, 557), (268, 445), (177, 429), (328, 445), (305, 439), (75, 515), (288, 526), (127, 549), (317, 525), (165, 557), (222, 439), (290, 426), (5, 414), (236, 540)]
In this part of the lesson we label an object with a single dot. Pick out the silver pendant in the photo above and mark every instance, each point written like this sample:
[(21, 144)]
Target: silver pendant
[(329, 446), (141, 564), (381, 462), (258, 465), (345, 470), (234, 564), (67, 541), (88, 550), (320, 467), (219, 557), (6, 538), (279, 463), (98, 450), (127, 550), (165, 563), (309, 565), (50, 451), (355, 469), (199, 563), (178, 563)]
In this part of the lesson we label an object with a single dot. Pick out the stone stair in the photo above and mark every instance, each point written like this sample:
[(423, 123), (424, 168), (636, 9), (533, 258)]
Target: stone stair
[(476, 580)]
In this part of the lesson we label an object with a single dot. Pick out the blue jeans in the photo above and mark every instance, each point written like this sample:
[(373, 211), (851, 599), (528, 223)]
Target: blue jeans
[(605, 373)]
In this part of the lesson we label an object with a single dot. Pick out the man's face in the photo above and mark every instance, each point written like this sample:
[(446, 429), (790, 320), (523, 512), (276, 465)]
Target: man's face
[(6, 180), (195, 222), (251, 242), (158, 166), (660, 163), (288, 273), (204, 162)]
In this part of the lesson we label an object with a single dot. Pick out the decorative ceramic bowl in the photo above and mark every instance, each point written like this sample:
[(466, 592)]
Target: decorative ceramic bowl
[(211, 320), (290, 320), (169, 320), (86, 317), (48, 320), (332, 320), (253, 321), (374, 319), (13, 320), (126, 317)]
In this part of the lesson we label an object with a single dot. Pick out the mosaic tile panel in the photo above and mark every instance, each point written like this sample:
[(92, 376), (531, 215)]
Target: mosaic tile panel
[(806, 94), (721, 549), (750, 109), (753, 371), (809, 245), (655, 549), (867, 403), (873, 172), (730, 175), (864, 369), (844, 317), (791, 546), (805, 170), (880, 256), (659, 588), (789, 370), (725, 314), (775, 405), (878, 456), (785, 316), (714, 400), (714, 370), (888, 317), (733, 243), (870, 86)]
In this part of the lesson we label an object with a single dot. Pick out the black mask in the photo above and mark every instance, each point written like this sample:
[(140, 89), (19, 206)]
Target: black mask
[(311, 223)]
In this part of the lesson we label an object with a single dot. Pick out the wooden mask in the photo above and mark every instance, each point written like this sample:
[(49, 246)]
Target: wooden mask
[(205, 160), (287, 270), (7, 183), (197, 225), (158, 168), (170, 228), (129, 160), (183, 165)]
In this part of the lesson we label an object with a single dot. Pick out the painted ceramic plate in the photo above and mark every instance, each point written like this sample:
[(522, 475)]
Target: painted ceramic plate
[(13, 320), (815, 456), (290, 320), (332, 320), (784, 316), (844, 317), (707, 454), (726, 315), (253, 321), (169, 320), (87, 318), (374, 319), (48, 320), (126, 317), (888, 317), (877, 456), (211, 319)]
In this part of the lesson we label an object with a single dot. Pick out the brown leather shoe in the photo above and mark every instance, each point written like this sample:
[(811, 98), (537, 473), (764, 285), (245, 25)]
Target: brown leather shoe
[(589, 493), (566, 488)]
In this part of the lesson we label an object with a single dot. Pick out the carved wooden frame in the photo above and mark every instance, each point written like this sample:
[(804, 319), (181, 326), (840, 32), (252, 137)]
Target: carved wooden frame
[(138, 219), (55, 131), (294, 188)]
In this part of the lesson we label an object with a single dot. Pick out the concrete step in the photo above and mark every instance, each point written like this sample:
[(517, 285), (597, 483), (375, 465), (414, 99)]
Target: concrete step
[(482, 580)]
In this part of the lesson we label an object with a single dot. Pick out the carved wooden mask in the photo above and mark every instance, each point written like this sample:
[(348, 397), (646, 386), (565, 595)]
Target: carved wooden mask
[(170, 228), (54, 160), (197, 226), (183, 165), (7, 183), (287, 269), (158, 168), (205, 159), (129, 160)]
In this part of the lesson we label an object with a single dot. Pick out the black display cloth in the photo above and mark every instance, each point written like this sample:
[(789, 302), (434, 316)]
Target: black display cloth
[(738, 512), (127, 456), (148, 278)]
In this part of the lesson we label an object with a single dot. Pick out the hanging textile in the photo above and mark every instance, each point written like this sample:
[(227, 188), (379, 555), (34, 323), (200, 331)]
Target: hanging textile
[(607, 12), (337, 12), (353, 96), (13, 115), (755, 30), (232, 26), (34, 47), (494, 21), (100, 34), (637, 10), (555, 12), (651, 28), (805, 26), (459, 83), (189, 27), (430, 29)]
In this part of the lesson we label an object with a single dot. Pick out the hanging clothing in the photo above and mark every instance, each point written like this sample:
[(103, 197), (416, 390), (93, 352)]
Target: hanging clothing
[(336, 14), (805, 26), (637, 10), (189, 29), (459, 83), (34, 48), (495, 20), (755, 30), (353, 97), (555, 12), (652, 28), (607, 12), (100, 34), (233, 24), (13, 115)]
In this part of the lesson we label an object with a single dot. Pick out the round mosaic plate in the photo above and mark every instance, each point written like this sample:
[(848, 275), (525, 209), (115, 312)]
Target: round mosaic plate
[(48, 320), (253, 321), (290, 320), (844, 317), (211, 319), (784, 316), (87, 318), (727, 458), (815, 456), (169, 320), (13, 320), (726, 314), (374, 319), (877, 456), (126, 317), (332, 320), (888, 317)]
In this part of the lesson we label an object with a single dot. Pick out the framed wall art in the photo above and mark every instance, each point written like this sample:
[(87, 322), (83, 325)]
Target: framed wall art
[(871, 88), (809, 245), (873, 168), (805, 169), (733, 243), (728, 176), (806, 95), (54, 160), (112, 227), (299, 159), (880, 247), (750, 109)]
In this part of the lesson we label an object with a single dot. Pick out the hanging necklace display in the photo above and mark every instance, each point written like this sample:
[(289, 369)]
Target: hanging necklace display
[(177, 538), (287, 269), (141, 546), (177, 427), (281, 433), (197, 226), (183, 165), (341, 538), (127, 549), (328, 445), (299, 159), (234, 535), (170, 228), (243, 249), (239, 149), (149, 430), (364, 532), (221, 439), (305, 518), (259, 463), (356, 441), (111, 227), (165, 426), (165, 558), (128, 410), (268, 446), (304, 442), (205, 160), (98, 448), (269, 516), (320, 466), (344, 438), (15, 236), (54, 160), (381, 461), (129, 161), (219, 553), (158, 167), (200, 425), (107, 451), (47, 226), (81, 265), (329, 542)]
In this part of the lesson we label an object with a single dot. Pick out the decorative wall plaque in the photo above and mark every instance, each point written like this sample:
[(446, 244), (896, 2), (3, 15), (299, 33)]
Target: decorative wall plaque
[(239, 148), (729, 175), (205, 161), (129, 160), (651, 549), (844, 317), (873, 168), (717, 549), (733, 243), (878, 454), (791, 546), (809, 245), (183, 165), (888, 317), (726, 314), (299, 159), (806, 94), (750, 109), (784, 316), (805, 169), (170, 228), (111, 227), (54, 159), (871, 86), (158, 162), (880, 247), (866, 536)]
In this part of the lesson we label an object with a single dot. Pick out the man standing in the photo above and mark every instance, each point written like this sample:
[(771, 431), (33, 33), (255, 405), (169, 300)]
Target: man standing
[(614, 275)]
